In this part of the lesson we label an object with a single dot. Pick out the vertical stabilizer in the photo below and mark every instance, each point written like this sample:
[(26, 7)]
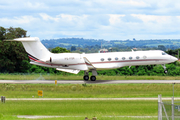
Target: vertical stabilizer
[(35, 48)]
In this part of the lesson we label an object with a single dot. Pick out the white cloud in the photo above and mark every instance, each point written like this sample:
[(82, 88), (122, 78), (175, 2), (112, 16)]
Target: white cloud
[(138, 3), (47, 17), (17, 20), (153, 18), (99, 19), (115, 18)]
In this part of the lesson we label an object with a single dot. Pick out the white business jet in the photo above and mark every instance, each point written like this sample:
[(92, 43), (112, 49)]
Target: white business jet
[(75, 62)]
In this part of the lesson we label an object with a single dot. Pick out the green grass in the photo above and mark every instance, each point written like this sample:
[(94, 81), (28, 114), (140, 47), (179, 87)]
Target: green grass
[(100, 109), (78, 118), (88, 90), (76, 77)]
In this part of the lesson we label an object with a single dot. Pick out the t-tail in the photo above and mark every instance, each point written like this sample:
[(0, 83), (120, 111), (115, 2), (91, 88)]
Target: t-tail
[(34, 48)]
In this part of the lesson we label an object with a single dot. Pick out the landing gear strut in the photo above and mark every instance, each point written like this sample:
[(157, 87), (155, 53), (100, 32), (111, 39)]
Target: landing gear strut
[(92, 78), (165, 71)]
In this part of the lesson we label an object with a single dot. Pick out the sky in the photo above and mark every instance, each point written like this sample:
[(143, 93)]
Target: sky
[(94, 19)]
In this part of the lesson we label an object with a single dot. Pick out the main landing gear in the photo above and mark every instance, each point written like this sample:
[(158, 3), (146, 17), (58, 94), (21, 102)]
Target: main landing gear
[(92, 78)]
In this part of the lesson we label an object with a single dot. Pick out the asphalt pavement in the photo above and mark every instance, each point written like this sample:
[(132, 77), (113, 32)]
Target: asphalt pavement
[(91, 82)]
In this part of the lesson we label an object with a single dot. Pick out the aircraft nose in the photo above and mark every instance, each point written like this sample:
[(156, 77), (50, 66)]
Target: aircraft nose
[(173, 59)]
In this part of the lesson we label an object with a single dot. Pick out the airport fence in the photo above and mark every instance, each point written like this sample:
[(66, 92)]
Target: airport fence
[(168, 110)]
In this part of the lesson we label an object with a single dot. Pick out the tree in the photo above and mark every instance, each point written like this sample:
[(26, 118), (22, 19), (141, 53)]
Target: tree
[(13, 55), (73, 48), (15, 33), (161, 47), (2, 33), (59, 50)]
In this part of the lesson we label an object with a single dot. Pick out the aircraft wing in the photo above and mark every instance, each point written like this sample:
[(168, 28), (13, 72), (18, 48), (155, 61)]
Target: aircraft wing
[(69, 70)]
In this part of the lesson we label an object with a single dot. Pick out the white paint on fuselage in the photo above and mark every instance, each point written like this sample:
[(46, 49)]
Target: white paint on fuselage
[(145, 58), (76, 60)]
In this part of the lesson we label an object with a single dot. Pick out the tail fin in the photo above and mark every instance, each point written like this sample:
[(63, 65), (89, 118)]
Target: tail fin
[(35, 48)]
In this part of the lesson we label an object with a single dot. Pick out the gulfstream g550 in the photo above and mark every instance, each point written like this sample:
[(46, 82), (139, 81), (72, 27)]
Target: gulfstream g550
[(75, 62)]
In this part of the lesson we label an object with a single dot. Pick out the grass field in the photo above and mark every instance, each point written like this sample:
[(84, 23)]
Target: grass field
[(82, 109), (89, 90), (75, 77), (103, 110)]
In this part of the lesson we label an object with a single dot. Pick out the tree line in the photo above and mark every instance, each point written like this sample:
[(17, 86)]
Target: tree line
[(14, 59)]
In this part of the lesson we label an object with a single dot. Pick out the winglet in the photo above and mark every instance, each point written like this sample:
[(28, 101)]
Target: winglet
[(88, 62)]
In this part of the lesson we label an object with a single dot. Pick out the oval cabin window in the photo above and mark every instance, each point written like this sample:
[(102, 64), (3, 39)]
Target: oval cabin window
[(137, 57), (144, 57), (109, 59), (130, 58), (102, 59)]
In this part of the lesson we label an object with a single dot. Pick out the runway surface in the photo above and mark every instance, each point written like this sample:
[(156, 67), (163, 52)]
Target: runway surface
[(90, 82)]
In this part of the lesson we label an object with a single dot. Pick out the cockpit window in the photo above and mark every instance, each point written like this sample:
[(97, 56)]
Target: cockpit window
[(163, 53)]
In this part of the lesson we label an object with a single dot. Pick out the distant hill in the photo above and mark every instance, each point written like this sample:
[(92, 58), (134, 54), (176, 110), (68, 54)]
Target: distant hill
[(81, 42)]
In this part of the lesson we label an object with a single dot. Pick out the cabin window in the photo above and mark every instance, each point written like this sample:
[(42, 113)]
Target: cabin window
[(102, 59), (144, 57), (163, 53), (137, 57), (130, 58), (116, 58), (109, 59), (123, 58)]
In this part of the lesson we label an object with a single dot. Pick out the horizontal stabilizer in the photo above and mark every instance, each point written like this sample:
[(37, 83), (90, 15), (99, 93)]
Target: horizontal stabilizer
[(26, 39), (68, 70)]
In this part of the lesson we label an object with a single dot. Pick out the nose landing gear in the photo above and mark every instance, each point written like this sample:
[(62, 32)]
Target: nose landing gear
[(165, 71)]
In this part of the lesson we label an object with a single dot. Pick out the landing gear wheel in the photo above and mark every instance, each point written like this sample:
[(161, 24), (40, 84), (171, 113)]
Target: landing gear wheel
[(165, 71), (86, 77), (93, 78)]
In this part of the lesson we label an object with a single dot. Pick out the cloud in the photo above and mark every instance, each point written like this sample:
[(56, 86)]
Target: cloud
[(99, 19)]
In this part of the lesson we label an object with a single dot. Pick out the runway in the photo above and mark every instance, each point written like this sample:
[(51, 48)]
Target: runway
[(90, 82)]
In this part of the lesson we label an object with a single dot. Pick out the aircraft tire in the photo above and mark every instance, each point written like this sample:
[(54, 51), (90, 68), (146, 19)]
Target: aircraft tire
[(165, 71), (86, 77), (93, 78)]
